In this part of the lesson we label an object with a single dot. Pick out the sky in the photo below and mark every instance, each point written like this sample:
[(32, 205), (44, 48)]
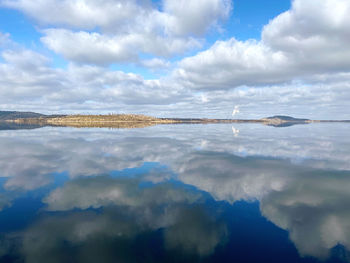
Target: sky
[(177, 58)]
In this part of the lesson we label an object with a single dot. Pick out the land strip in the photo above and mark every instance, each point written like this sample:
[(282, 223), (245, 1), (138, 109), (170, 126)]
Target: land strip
[(136, 120)]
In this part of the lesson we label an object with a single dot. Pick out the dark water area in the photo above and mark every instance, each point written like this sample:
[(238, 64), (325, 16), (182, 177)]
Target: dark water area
[(176, 193)]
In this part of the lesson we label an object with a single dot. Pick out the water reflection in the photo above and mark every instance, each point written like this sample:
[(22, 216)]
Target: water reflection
[(128, 213), (105, 218), (235, 132), (174, 193), (314, 208)]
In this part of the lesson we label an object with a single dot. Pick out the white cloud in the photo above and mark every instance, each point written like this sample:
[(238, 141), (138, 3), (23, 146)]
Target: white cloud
[(176, 18), (26, 75), (28, 78), (228, 64), (311, 38), (122, 29), (195, 16), (25, 59), (90, 47), (84, 14), (310, 26), (96, 48), (29, 82)]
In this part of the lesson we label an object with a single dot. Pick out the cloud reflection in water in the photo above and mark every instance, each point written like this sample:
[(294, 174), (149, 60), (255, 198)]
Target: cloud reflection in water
[(301, 181)]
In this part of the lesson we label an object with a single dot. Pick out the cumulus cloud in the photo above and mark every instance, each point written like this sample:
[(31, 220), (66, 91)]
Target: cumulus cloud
[(122, 29), (96, 48), (27, 60), (195, 16), (26, 75), (307, 40), (324, 98), (86, 14), (311, 27), (90, 47), (29, 82), (232, 63), (28, 79), (174, 17)]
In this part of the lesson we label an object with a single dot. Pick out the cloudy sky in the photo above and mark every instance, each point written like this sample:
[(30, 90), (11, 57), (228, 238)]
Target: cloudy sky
[(188, 58)]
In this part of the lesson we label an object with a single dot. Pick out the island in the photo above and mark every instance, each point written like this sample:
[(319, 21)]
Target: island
[(16, 119)]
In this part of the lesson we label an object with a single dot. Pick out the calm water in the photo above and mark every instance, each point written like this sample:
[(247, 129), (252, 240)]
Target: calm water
[(181, 193)]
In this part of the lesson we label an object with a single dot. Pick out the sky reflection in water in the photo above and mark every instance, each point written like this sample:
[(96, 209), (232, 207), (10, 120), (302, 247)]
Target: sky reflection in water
[(181, 193)]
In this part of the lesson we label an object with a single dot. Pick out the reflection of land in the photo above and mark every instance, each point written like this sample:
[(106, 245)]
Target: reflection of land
[(112, 125), (17, 126), (29, 124)]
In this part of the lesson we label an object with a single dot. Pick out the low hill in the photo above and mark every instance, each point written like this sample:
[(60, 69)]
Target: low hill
[(286, 118), (283, 121), (14, 115)]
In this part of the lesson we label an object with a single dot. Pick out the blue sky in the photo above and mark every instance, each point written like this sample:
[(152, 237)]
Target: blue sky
[(249, 16), (178, 58)]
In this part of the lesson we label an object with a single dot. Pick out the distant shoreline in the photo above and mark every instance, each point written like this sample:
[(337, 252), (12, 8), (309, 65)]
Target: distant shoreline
[(138, 121)]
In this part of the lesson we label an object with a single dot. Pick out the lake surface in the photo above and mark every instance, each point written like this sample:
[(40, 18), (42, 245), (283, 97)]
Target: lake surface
[(176, 193)]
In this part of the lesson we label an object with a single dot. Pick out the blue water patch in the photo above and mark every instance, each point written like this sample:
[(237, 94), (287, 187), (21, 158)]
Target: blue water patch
[(20, 213), (24, 206)]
